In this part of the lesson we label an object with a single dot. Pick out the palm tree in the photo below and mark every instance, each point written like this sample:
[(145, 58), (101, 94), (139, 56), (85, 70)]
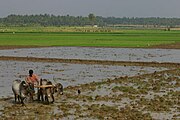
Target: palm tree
[(92, 18)]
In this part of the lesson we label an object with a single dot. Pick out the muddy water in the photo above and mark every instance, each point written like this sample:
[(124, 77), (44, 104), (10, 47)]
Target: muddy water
[(112, 54), (67, 74)]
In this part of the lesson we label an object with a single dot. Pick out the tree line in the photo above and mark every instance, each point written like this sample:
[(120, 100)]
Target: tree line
[(91, 19)]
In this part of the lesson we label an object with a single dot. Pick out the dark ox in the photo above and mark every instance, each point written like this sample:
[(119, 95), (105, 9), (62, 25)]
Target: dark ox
[(45, 93), (21, 90), (48, 92), (58, 89)]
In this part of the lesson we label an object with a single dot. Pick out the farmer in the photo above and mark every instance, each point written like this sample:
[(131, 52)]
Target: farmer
[(32, 79)]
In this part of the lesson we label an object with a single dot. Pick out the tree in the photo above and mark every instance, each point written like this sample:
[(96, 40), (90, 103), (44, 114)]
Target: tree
[(52, 20), (92, 18)]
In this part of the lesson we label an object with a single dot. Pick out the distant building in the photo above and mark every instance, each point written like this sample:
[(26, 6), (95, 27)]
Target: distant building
[(95, 26)]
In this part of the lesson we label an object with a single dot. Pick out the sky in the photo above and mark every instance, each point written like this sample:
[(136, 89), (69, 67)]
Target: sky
[(105, 8)]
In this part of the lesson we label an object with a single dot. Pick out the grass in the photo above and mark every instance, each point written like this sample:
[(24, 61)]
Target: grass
[(72, 37)]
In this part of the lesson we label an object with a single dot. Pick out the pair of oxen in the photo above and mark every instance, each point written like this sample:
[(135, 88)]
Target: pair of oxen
[(23, 90)]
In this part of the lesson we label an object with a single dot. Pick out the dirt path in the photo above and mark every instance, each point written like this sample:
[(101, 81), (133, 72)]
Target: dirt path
[(162, 46), (17, 47), (167, 46)]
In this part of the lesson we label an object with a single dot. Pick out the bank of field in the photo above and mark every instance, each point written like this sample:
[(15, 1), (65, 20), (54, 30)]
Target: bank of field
[(118, 38)]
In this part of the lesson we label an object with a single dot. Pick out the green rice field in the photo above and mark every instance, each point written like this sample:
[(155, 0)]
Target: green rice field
[(82, 37)]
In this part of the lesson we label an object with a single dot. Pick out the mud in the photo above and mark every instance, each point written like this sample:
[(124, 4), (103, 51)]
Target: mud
[(125, 99)]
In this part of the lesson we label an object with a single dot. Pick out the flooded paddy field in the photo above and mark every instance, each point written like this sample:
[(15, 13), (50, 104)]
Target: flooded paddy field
[(67, 74), (91, 53), (108, 91)]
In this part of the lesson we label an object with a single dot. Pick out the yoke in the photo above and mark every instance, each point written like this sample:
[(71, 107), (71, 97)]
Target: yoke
[(44, 86)]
